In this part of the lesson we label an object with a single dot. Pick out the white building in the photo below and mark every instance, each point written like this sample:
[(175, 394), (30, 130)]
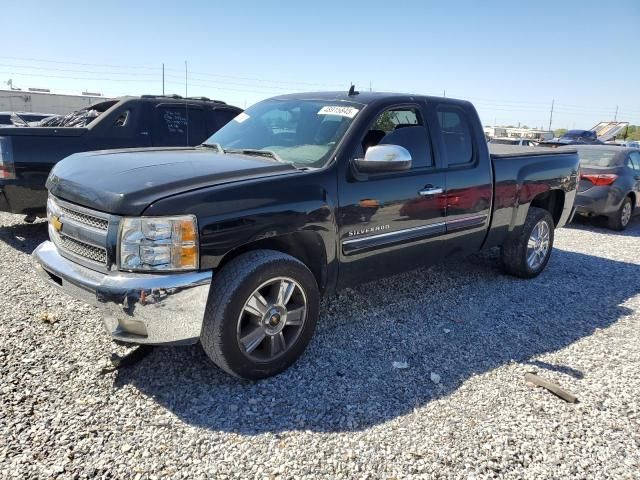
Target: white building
[(517, 132), (44, 102)]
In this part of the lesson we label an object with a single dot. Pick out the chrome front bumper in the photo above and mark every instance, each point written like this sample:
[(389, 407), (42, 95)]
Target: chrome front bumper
[(139, 308)]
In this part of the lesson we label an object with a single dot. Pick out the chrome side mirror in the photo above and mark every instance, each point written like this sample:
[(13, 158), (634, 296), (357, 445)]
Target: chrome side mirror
[(384, 158)]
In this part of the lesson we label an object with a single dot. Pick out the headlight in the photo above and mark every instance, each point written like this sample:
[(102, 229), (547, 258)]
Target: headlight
[(158, 243)]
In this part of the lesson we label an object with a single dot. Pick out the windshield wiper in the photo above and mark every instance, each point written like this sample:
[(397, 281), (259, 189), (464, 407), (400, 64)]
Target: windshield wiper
[(217, 146), (256, 152)]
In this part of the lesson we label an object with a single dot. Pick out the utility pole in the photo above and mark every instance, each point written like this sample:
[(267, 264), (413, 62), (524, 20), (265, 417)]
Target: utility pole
[(370, 89), (615, 117), (551, 114), (163, 79)]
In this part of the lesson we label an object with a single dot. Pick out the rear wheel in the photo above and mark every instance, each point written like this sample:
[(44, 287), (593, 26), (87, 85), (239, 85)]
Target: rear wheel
[(620, 220), (261, 314), (527, 254)]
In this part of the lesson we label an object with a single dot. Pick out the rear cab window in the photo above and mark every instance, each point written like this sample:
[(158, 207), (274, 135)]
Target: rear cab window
[(219, 117), (175, 124), (456, 134)]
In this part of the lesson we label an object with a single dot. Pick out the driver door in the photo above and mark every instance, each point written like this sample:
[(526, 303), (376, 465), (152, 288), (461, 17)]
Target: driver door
[(390, 222)]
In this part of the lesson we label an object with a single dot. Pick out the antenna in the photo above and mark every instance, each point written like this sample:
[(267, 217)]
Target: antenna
[(352, 90), (186, 99), (163, 79)]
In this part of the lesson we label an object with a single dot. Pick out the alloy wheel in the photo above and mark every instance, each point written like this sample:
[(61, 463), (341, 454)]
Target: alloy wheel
[(272, 319), (538, 245)]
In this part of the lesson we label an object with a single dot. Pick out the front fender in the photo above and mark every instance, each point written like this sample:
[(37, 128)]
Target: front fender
[(232, 216)]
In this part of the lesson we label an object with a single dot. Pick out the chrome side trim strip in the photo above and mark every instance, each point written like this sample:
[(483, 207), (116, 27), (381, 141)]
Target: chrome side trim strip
[(471, 221), (355, 245), (359, 244)]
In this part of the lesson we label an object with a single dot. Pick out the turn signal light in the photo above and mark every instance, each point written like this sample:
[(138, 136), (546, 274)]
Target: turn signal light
[(600, 180)]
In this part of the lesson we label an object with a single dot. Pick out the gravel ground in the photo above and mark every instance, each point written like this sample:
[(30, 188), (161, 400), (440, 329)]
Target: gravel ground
[(460, 409)]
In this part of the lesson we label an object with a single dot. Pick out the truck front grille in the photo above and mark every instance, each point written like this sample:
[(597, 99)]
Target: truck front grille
[(79, 232), (77, 247), (86, 219)]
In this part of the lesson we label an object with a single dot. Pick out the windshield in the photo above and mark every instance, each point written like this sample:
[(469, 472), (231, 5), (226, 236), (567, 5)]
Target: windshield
[(304, 133), (597, 157)]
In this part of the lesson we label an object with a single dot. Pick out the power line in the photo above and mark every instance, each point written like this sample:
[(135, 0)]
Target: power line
[(254, 79), (157, 69), (66, 77), (79, 63), (72, 71)]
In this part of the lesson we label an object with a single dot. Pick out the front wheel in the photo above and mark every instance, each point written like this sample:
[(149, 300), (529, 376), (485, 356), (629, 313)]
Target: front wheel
[(527, 254), (261, 314)]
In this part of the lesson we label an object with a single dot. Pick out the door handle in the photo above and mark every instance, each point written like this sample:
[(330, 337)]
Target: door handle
[(429, 190)]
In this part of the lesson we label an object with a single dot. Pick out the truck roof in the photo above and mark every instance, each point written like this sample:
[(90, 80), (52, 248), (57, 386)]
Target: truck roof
[(369, 98), (170, 99)]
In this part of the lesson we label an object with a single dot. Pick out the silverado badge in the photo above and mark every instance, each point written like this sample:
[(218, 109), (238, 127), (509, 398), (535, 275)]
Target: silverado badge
[(364, 231)]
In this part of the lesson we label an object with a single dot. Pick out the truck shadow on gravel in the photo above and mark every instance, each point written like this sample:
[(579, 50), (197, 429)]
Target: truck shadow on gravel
[(24, 237), (455, 320)]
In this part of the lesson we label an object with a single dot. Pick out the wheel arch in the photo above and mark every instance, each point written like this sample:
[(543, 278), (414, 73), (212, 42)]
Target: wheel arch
[(551, 201), (306, 246)]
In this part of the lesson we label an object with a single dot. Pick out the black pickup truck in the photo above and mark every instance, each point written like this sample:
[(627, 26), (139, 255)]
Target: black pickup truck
[(234, 242), (27, 154)]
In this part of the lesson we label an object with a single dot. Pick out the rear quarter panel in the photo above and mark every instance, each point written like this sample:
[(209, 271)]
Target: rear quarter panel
[(518, 180)]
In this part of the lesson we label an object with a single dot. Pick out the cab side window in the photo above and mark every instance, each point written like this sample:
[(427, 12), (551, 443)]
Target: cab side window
[(172, 123), (405, 127), (122, 119), (456, 134)]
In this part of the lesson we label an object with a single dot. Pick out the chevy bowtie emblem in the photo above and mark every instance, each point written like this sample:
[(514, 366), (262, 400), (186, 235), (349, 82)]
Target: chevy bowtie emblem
[(56, 223)]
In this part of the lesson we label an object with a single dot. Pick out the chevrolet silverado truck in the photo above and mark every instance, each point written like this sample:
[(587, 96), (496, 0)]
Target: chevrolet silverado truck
[(233, 243), (28, 153)]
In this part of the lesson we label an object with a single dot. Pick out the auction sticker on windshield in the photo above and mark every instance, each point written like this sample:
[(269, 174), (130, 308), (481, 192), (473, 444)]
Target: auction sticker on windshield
[(241, 117), (348, 112)]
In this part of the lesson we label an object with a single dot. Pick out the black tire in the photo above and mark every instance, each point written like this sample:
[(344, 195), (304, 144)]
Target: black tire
[(514, 252), (232, 286), (617, 221)]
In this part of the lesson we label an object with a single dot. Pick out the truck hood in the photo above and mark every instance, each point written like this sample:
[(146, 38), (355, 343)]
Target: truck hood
[(126, 182)]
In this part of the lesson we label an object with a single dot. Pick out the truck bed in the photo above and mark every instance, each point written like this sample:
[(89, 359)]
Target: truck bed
[(508, 151)]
